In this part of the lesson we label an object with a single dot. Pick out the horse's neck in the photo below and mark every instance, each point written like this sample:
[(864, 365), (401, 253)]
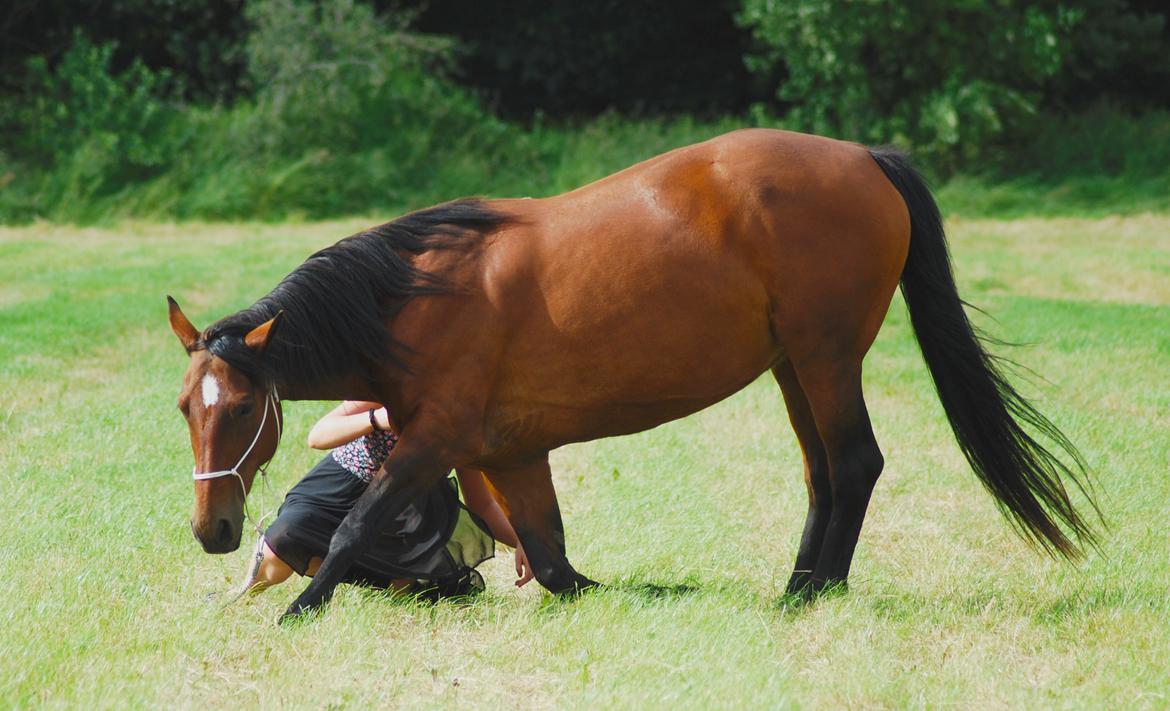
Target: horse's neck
[(350, 387)]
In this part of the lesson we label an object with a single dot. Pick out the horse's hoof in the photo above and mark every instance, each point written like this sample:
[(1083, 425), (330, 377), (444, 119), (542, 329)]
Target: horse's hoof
[(578, 585), (294, 615), (795, 599), (288, 619), (804, 590), (586, 584), (825, 589), (800, 587), (296, 612)]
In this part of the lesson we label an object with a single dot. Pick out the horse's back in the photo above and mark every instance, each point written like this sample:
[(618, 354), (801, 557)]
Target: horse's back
[(668, 286)]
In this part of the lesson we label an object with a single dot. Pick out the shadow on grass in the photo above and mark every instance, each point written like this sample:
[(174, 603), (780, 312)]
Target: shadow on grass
[(423, 597), (655, 591), (642, 590), (1048, 608)]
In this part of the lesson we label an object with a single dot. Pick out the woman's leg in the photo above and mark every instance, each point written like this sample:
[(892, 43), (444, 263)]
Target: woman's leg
[(273, 571)]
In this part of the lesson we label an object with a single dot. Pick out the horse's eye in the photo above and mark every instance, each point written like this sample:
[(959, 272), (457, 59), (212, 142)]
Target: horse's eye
[(243, 409)]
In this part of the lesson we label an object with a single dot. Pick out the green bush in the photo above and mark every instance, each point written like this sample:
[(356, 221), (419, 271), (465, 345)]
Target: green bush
[(1120, 55), (350, 110), (333, 73), (94, 130), (197, 41), (353, 112), (943, 77), (566, 58)]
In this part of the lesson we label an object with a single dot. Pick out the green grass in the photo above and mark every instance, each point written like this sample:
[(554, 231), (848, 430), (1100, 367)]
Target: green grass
[(103, 598), (1081, 196), (1093, 164)]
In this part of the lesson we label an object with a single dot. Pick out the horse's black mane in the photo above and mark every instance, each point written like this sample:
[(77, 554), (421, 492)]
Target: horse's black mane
[(335, 303)]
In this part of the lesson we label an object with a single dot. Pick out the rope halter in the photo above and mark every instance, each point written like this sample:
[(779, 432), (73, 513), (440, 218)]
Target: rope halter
[(271, 401)]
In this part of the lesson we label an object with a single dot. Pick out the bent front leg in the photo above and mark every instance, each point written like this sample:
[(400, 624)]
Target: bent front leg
[(530, 501), (412, 469)]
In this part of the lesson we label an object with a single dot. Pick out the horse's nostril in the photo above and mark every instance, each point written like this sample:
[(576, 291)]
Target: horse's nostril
[(223, 533)]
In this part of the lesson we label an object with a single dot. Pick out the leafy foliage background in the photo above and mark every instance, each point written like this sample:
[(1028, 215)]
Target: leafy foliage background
[(222, 109)]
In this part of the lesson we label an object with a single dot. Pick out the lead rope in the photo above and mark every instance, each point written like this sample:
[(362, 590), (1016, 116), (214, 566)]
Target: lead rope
[(253, 569), (271, 400)]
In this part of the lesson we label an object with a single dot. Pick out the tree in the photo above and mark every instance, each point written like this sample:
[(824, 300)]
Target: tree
[(944, 76)]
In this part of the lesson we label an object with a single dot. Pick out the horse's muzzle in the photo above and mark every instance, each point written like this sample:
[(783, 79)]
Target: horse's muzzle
[(223, 537)]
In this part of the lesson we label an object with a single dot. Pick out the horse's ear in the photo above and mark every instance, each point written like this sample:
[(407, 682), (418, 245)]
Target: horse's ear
[(188, 334), (259, 338)]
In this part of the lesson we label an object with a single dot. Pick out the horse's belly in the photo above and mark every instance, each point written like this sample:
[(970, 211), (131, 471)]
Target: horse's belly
[(626, 345)]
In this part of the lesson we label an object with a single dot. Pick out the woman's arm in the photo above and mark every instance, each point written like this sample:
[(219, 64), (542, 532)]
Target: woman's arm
[(345, 423), (481, 502)]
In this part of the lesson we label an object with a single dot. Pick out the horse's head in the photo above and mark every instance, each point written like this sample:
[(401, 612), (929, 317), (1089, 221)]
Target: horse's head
[(234, 420)]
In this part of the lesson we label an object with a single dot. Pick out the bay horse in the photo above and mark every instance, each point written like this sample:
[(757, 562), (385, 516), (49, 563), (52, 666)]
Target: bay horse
[(498, 330)]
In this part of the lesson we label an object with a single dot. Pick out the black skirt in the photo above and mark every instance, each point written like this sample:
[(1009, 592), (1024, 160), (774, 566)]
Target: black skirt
[(435, 541)]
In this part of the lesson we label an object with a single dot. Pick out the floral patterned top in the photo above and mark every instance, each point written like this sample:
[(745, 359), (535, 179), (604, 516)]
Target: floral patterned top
[(363, 457)]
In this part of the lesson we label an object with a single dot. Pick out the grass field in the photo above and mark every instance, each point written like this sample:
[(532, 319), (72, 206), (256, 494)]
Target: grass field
[(695, 524)]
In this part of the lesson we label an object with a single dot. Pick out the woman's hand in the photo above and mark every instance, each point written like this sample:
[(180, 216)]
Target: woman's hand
[(523, 569)]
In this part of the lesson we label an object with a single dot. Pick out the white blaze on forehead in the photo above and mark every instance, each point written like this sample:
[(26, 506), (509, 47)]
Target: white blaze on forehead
[(210, 390)]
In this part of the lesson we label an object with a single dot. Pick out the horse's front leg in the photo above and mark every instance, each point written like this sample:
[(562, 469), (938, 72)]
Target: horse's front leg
[(529, 500), (413, 467)]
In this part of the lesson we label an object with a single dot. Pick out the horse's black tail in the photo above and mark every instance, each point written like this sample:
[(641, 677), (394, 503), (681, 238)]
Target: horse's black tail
[(985, 411)]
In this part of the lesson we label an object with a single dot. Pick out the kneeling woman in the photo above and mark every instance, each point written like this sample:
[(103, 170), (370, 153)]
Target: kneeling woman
[(433, 547)]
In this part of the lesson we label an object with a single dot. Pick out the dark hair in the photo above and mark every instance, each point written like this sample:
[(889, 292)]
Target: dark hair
[(335, 304)]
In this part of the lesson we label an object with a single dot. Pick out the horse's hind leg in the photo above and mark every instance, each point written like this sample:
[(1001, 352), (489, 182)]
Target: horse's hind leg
[(531, 504), (833, 389), (816, 477)]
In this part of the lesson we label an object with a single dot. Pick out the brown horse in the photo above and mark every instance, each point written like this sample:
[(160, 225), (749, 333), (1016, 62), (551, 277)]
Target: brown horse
[(496, 331)]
